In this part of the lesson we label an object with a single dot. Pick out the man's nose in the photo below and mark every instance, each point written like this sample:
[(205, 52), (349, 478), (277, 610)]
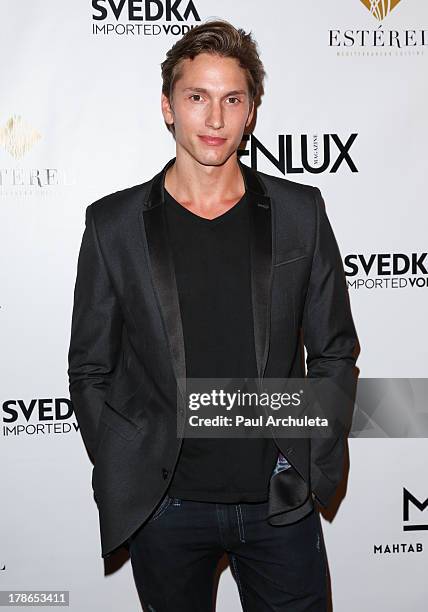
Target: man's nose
[(215, 117)]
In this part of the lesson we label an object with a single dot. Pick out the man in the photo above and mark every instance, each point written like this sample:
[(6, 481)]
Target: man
[(209, 269)]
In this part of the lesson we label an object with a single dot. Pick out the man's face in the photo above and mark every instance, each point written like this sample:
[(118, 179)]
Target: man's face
[(211, 98)]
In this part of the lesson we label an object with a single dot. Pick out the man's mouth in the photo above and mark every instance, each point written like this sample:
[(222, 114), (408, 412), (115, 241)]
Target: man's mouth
[(212, 140)]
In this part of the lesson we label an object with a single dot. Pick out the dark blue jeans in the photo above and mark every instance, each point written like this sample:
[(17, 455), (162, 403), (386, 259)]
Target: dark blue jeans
[(174, 556)]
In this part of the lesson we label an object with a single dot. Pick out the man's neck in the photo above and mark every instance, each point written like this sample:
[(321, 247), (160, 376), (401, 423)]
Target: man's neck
[(208, 191)]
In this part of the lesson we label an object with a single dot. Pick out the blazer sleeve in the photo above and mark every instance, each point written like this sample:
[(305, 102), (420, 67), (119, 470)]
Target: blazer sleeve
[(95, 339), (332, 348)]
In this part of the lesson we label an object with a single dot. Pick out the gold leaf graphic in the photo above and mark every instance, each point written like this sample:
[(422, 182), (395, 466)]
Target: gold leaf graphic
[(18, 137), (380, 8)]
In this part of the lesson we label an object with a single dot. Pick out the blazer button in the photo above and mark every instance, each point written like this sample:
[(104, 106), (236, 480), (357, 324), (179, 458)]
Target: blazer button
[(165, 473)]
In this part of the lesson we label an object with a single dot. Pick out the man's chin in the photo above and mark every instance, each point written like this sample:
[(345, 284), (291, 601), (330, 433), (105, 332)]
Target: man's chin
[(215, 158)]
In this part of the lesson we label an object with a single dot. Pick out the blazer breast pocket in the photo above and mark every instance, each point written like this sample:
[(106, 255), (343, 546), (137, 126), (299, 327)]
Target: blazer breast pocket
[(291, 255)]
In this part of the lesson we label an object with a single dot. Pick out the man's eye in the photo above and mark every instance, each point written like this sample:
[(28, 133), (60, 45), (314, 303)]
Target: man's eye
[(233, 98), (193, 95)]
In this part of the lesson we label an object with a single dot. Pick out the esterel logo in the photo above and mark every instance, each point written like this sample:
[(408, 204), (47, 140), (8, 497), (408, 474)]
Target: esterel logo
[(18, 139), (380, 8), (358, 39)]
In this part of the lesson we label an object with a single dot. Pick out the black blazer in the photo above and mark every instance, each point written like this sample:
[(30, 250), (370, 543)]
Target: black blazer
[(127, 352)]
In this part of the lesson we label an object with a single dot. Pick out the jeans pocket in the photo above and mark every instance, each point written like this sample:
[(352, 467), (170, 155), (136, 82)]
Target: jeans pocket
[(164, 505)]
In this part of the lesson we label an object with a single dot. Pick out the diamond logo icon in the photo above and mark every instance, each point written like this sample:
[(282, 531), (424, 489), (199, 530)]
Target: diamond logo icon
[(18, 137), (380, 8)]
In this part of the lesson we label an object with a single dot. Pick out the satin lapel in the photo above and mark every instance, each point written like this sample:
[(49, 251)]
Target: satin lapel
[(163, 273), (259, 206)]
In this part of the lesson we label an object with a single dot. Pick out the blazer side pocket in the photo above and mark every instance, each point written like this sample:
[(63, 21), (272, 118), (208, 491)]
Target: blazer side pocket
[(119, 423)]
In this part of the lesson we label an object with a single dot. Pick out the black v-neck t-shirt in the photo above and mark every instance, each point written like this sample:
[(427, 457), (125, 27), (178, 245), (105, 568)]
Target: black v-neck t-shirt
[(212, 265)]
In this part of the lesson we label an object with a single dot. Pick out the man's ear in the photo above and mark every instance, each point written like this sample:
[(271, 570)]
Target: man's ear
[(167, 110), (250, 114)]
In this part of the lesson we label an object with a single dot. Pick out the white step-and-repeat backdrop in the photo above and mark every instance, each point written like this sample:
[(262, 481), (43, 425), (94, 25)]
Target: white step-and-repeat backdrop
[(345, 109)]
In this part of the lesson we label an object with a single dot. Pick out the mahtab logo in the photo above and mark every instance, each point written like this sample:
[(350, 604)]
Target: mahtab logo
[(418, 505), (380, 8), (419, 509), (17, 136)]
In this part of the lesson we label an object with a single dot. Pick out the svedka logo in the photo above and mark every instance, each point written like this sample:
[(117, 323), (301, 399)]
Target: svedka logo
[(304, 153), (38, 417), (380, 42), (386, 270), (137, 17)]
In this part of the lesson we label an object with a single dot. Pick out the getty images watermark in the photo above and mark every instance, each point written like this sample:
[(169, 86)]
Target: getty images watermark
[(303, 407), (246, 407)]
